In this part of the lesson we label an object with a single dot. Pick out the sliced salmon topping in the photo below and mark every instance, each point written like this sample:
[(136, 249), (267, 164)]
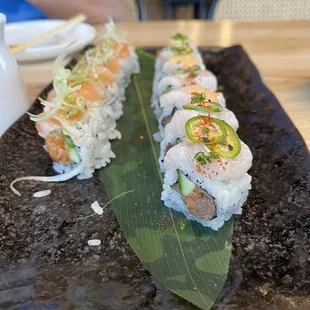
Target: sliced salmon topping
[(106, 76), (113, 65), (47, 126), (57, 148), (92, 91), (122, 50)]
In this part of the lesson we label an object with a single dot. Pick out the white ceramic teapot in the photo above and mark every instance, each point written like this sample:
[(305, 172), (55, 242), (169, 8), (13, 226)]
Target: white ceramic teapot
[(14, 100)]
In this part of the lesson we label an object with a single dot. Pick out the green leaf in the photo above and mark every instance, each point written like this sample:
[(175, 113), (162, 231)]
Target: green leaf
[(192, 262), (179, 36)]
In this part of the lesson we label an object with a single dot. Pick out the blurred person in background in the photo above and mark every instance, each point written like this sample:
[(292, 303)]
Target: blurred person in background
[(97, 11)]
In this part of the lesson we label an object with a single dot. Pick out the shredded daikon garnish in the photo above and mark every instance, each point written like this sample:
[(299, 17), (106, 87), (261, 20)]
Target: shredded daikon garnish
[(57, 178), (85, 217)]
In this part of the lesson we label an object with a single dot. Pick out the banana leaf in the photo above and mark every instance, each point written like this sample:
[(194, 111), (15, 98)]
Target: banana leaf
[(189, 259)]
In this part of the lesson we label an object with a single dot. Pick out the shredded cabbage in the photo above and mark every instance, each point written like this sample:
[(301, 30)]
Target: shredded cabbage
[(108, 53), (112, 32), (62, 89)]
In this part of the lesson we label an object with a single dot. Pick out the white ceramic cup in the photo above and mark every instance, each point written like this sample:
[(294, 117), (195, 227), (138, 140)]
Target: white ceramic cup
[(14, 100)]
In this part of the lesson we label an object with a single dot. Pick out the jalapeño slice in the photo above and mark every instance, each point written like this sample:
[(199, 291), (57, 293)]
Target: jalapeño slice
[(205, 129), (230, 147), (205, 106)]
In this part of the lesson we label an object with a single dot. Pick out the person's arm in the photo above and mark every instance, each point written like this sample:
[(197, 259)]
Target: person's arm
[(97, 11)]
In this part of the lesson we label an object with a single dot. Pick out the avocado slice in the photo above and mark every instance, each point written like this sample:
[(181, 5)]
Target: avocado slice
[(186, 186)]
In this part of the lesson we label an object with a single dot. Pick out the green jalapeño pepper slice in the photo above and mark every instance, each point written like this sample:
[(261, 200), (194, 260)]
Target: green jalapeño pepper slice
[(230, 147), (205, 129), (200, 103), (205, 107)]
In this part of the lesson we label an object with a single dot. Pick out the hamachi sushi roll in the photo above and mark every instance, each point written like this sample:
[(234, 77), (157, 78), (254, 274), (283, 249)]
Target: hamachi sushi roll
[(204, 162), (175, 130), (206, 181)]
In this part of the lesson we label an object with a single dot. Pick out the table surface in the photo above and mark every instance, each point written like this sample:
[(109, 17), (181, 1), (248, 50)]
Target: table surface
[(280, 50)]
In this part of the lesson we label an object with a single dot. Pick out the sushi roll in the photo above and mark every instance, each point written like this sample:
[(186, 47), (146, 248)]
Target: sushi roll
[(78, 124), (175, 131), (207, 179), (204, 162), (79, 117)]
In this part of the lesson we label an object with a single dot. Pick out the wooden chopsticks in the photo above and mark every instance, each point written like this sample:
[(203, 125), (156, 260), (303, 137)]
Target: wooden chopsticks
[(71, 22)]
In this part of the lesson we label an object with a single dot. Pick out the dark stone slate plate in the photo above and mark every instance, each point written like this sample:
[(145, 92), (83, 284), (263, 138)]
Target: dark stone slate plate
[(45, 261)]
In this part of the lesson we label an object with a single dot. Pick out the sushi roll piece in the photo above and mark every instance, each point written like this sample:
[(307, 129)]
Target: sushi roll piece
[(190, 94), (117, 54), (193, 97), (194, 76), (177, 63), (176, 58), (207, 180), (95, 77), (191, 76), (175, 131), (178, 45)]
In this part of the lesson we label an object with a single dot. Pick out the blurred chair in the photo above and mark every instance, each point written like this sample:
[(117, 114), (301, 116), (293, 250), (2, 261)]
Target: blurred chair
[(170, 6), (135, 10), (142, 10), (259, 9)]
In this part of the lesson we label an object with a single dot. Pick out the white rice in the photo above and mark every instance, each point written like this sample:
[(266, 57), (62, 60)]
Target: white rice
[(229, 196)]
